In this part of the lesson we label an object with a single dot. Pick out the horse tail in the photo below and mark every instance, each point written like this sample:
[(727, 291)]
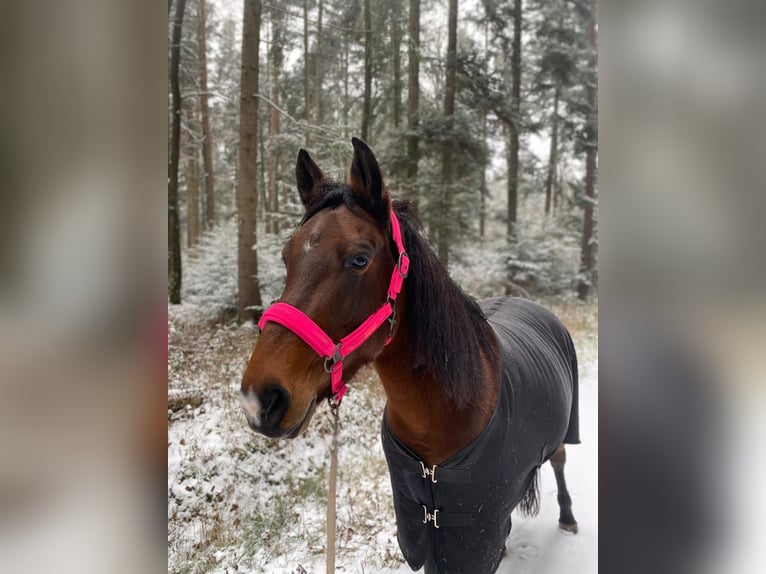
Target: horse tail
[(572, 435), (529, 505)]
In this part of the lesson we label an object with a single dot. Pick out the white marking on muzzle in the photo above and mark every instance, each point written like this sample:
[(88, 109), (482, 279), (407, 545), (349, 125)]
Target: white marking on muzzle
[(252, 406)]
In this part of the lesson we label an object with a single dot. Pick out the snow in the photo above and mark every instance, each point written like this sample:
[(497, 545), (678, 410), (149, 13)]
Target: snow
[(239, 502)]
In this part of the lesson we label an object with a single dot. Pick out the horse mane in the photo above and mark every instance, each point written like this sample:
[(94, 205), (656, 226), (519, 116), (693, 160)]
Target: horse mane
[(449, 328), (334, 194)]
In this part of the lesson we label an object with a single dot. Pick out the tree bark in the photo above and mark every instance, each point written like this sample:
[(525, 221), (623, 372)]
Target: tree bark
[(277, 33), (192, 183), (553, 154), (306, 87), (483, 182), (318, 69), (513, 143), (558, 188), (346, 99), (174, 231), (207, 146), (192, 202), (445, 218), (396, 41), (367, 103), (249, 294), (413, 99), (586, 253)]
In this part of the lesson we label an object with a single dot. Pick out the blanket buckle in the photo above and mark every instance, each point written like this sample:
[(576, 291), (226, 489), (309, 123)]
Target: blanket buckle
[(425, 472), (428, 517)]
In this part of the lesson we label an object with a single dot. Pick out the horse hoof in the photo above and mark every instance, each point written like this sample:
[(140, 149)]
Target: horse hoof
[(568, 527)]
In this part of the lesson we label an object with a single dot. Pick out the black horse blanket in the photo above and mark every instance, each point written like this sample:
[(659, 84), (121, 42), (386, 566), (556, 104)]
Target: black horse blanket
[(456, 516)]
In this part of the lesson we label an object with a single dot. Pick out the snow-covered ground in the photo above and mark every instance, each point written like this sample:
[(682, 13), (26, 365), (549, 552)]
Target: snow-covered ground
[(239, 502)]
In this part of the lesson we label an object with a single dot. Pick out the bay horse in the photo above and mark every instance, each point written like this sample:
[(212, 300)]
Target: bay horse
[(479, 395)]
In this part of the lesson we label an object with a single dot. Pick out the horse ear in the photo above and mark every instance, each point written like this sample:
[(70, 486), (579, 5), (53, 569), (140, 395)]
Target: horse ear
[(366, 180), (307, 176)]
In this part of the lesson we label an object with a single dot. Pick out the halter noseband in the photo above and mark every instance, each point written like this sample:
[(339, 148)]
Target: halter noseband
[(334, 353)]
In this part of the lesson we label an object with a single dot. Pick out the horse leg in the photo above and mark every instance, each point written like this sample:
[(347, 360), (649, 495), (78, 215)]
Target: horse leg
[(566, 519)]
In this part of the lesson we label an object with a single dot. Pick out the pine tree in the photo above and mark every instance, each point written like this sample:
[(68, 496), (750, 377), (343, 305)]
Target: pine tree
[(174, 227), (413, 98), (367, 103), (207, 148), (587, 257), (249, 298), (447, 178)]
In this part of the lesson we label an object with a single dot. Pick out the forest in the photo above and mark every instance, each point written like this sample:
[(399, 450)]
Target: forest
[(483, 113)]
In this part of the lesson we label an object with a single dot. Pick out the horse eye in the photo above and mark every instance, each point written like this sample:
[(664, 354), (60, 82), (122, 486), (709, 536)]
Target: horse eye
[(359, 262)]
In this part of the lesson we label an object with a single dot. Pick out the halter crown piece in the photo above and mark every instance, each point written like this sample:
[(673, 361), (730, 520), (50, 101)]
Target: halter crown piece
[(334, 353)]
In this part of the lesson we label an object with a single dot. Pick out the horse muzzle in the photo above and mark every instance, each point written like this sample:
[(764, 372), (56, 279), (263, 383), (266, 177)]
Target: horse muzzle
[(265, 411)]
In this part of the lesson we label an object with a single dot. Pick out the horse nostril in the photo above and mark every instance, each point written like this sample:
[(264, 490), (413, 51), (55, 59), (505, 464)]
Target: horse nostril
[(274, 403)]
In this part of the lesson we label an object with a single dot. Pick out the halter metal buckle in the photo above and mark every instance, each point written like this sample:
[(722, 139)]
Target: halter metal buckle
[(428, 517), (428, 472), (403, 264), (335, 358)]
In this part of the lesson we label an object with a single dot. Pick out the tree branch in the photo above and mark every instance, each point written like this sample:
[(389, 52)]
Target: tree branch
[(324, 24), (303, 124)]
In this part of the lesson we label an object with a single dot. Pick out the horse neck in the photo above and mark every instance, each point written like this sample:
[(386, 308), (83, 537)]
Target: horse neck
[(419, 411)]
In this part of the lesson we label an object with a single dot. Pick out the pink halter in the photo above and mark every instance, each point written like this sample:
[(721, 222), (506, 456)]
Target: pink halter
[(302, 325)]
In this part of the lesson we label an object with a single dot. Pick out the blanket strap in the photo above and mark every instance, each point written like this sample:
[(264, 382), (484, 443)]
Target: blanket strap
[(441, 519), (435, 474)]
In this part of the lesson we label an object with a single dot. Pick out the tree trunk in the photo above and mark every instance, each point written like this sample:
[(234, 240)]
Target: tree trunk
[(558, 188), (512, 161), (306, 93), (249, 293), (553, 154), (262, 199), (586, 253), (513, 144), (192, 201), (483, 183), (318, 69), (192, 182), (174, 231), (367, 72), (445, 216), (277, 33), (396, 41), (346, 100), (207, 146), (413, 99)]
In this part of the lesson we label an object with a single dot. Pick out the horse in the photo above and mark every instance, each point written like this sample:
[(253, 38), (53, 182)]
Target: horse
[(478, 394)]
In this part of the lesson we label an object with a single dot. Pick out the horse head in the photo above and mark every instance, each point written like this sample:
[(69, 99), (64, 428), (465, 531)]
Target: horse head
[(338, 265)]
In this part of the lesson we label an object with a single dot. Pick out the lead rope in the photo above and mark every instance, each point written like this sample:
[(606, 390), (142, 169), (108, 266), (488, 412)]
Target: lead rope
[(331, 514)]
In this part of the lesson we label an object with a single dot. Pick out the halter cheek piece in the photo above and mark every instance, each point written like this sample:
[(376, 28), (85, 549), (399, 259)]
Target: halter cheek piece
[(334, 353)]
